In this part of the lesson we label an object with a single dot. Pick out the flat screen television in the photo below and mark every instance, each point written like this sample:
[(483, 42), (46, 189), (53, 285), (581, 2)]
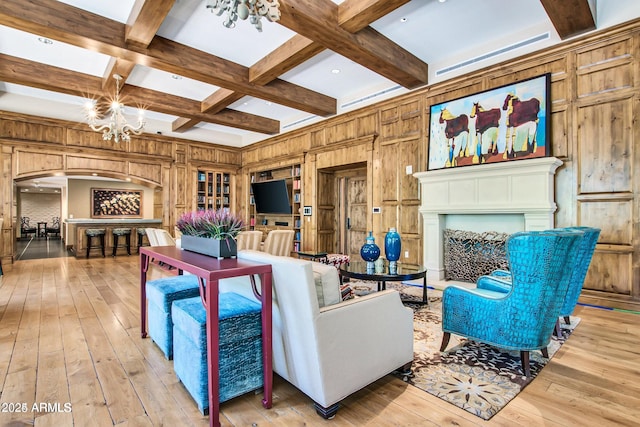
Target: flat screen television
[(271, 197)]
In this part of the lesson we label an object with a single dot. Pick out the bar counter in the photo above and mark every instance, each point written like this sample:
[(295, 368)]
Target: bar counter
[(77, 240)]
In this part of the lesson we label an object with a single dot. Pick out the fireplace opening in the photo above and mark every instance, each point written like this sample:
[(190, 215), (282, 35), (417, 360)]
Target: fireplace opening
[(469, 255)]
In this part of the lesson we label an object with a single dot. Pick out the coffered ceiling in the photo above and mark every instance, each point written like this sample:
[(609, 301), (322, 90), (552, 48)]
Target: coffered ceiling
[(201, 81)]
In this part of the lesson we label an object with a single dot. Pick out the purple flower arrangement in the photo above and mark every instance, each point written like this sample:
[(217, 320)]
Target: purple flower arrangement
[(215, 224)]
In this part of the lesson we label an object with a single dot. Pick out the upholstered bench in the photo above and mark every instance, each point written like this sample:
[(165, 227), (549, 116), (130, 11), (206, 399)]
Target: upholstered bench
[(240, 347), (160, 294)]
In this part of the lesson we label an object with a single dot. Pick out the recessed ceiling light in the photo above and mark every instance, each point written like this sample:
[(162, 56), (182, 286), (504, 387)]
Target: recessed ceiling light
[(45, 40), (94, 174), (268, 102), (335, 71), (442, 1), (403, 19)]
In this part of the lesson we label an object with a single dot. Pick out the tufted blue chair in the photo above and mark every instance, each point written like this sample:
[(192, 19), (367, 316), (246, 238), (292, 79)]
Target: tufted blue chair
[(524, 317), (500, 280)]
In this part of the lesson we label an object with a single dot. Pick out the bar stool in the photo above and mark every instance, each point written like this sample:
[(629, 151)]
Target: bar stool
[(141, 234), (126, 232), (95, 232)]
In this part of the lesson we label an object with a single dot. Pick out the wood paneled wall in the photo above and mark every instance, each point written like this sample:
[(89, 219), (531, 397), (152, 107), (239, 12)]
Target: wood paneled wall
[(595, 94), (35, 147)]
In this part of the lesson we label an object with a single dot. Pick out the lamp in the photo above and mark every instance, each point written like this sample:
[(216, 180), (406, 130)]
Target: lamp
[(117, 127), (243, 9)]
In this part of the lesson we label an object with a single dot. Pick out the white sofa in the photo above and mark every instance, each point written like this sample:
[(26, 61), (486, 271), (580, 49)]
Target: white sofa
[(333, 351)]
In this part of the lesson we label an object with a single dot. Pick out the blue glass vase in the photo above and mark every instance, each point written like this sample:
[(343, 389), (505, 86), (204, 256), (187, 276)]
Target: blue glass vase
[(370, 251), (392, 245)]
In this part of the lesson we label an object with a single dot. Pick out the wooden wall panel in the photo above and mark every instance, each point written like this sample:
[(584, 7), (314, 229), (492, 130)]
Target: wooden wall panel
[(614, 218), (229, 157), (409, 155), (317, 138), (147, 171), (151, 147), (367, 124), (411, 247), (388, 180), (605, 68), (90, 139), (605, 147), (326, 212), (86, 164), (28, 163), (341, 132), (389, 119), (203, 154), (559, 132), (610, 273), (410, 118), (23, 130)]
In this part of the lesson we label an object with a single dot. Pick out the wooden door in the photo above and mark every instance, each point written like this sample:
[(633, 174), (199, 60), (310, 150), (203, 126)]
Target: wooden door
[(353, 212)]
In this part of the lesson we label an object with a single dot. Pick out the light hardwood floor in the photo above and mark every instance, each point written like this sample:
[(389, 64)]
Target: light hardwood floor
[(70, 334)]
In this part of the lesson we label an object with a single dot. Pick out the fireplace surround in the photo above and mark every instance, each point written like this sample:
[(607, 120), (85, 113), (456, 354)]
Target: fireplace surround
[(521, 187)]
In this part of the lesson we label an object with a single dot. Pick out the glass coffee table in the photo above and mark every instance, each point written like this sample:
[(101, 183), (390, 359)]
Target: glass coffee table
[(358, 270)]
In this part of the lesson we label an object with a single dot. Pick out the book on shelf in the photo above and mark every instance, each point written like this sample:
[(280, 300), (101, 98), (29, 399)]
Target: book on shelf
[(296, 197), (296, 184)]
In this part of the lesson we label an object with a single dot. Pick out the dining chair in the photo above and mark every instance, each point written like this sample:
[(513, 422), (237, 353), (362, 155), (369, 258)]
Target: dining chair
[(279, 242), (249, 239)]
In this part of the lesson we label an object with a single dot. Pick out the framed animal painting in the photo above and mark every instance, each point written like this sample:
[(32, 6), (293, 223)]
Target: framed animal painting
[(502, 124)]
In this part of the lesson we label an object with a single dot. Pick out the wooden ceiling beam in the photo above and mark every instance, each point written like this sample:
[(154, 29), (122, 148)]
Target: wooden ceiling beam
[(355, 15), (171, 104), (318, 21), (290, 54), (116, 66), (56, 20), (145, 20), (42, 76), (219, 100), (570, 17)]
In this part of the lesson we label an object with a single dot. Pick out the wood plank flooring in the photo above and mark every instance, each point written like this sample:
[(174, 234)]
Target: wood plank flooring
[(70, 341)]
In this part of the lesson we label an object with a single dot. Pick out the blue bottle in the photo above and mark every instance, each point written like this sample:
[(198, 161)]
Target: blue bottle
[(370, 251), (392, 245)]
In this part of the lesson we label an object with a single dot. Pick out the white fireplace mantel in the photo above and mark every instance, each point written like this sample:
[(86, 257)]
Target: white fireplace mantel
[(516, 187)]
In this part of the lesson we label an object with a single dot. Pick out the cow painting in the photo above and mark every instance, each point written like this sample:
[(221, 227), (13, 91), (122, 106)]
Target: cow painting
[(486, 120), (521, 113), (455, 126), (502, 124)]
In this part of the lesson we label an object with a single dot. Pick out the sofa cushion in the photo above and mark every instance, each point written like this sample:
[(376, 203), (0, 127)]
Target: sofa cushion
[(327, 284)]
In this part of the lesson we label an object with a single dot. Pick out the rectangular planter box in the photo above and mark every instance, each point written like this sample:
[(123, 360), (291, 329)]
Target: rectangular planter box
[(207, 246)]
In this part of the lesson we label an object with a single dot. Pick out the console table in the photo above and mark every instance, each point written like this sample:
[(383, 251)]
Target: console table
[(210, 270)]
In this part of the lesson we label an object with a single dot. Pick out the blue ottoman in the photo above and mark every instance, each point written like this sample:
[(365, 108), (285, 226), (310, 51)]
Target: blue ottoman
[(240, 353), (160, 294)]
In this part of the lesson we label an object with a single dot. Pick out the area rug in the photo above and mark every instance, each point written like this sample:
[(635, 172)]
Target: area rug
[(473, 376)]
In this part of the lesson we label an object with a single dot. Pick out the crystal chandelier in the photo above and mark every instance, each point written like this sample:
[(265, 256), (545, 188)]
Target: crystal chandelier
[(117, 127), (243, 9)]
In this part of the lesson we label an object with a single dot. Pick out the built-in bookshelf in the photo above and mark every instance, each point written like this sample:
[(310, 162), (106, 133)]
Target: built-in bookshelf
[(266, 222), (213, 190)]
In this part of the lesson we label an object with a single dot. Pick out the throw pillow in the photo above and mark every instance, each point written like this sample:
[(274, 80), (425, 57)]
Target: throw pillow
[(327, 284)]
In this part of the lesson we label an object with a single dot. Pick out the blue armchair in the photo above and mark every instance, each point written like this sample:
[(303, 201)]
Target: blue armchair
[(524, 317), (500, 280)]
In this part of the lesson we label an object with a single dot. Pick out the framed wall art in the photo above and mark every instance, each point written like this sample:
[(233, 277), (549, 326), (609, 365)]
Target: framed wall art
[(116, 203), (503, 124)]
